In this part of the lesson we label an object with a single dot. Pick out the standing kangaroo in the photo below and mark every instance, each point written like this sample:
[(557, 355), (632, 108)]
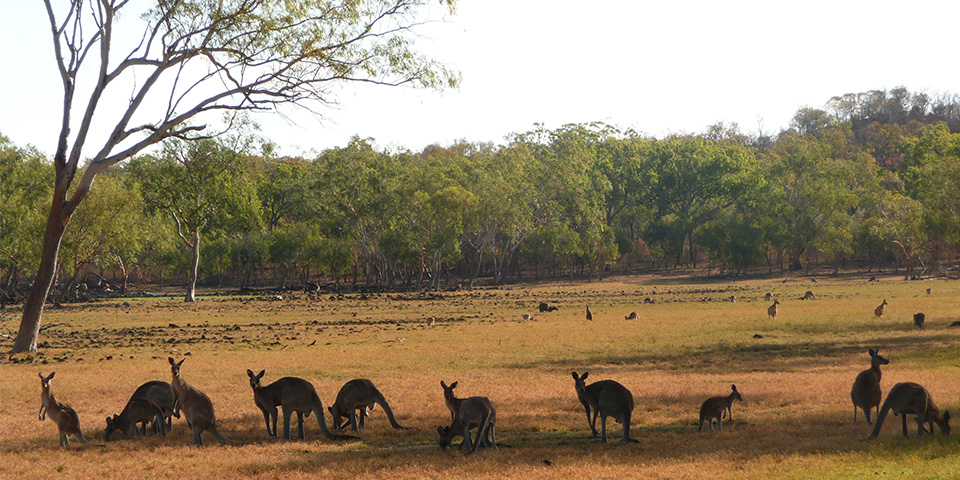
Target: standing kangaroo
[(878, 312), (68, 423), (358, 394), (605, 398), (589, 313), (136, 411), (453, 403), (294, 395), (473, 412), (911, 398), (865, 392), (772, 309), (714, 408), (196, 406)]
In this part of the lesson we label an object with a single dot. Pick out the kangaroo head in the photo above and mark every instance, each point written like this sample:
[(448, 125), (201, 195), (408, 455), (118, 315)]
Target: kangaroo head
[(112, 426), (45, 381), (579, 381), (736, 394), (445, 437), (876, 359), (175, 367), (944, 423), (255, 379), (448, 389)]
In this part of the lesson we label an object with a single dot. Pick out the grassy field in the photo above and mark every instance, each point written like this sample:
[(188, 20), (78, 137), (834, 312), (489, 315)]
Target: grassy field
[(795, 421)]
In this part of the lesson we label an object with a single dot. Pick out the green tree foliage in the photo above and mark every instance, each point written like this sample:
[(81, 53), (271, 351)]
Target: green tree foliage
[(198, 186)]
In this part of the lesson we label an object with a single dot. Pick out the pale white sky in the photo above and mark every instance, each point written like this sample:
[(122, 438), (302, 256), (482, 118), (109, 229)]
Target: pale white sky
[(658, 67)]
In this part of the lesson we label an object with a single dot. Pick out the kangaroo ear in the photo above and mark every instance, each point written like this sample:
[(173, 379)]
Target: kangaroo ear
[(584, 376), (734, 387), (872, 352), (443, 385), (250, 373), (453, 385), (181, 362), (51, 375), (260, 375), (575, 377), (41, 375), (170, 359)]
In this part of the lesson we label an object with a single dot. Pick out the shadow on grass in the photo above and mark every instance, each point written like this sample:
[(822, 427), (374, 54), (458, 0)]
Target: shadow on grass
[(757, 356)]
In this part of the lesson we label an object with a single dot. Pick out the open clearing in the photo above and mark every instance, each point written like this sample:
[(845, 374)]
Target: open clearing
[(795, 422)]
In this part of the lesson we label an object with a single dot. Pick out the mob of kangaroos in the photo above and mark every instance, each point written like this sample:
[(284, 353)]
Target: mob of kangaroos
[(293, 395)]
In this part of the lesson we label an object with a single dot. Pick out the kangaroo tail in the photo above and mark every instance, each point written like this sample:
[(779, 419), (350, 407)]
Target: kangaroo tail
[(389, 412), (220, 438), (880, 416), (322, 421)]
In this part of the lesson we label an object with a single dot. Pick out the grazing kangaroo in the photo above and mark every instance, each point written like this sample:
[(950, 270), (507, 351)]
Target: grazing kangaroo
[(545, 307), (359, 394), (589, 313), (473, 412), (68, 423), (732, 298), (714, 408), (136, 411), (772, 310), (768, 297), (918, 319), (294, 395), (162, 394), (605, 398), (453, 403), (911, 398), (878, 312), (866, 393), (648, 300), (808, 296), (632, 316), (196, 406)]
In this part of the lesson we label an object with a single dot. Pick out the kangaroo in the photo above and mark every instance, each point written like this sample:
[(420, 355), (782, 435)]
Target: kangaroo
[(808, 296), (878, 312), (473, 412), (545, 307), (359, 394), (918, 319), (732, 298), (911, 398), (68, 423), (294, 395), (453, 403), (772, 309), (196, 406), (605, 398), (865, 392), (136, 411), (632, 316), (714, 408), (589, 313), (162, 394)]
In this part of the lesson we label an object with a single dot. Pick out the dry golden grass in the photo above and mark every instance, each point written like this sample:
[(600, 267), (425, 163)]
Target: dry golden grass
[(690, 345)]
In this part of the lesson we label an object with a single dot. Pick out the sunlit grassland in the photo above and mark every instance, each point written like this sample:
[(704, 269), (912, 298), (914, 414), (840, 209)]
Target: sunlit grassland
[(796, 421)]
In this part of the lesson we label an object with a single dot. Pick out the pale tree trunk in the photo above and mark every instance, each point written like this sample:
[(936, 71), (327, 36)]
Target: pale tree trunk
[(194, 268)]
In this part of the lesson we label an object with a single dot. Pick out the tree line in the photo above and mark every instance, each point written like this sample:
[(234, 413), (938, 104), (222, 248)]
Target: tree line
[(868, 181)]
